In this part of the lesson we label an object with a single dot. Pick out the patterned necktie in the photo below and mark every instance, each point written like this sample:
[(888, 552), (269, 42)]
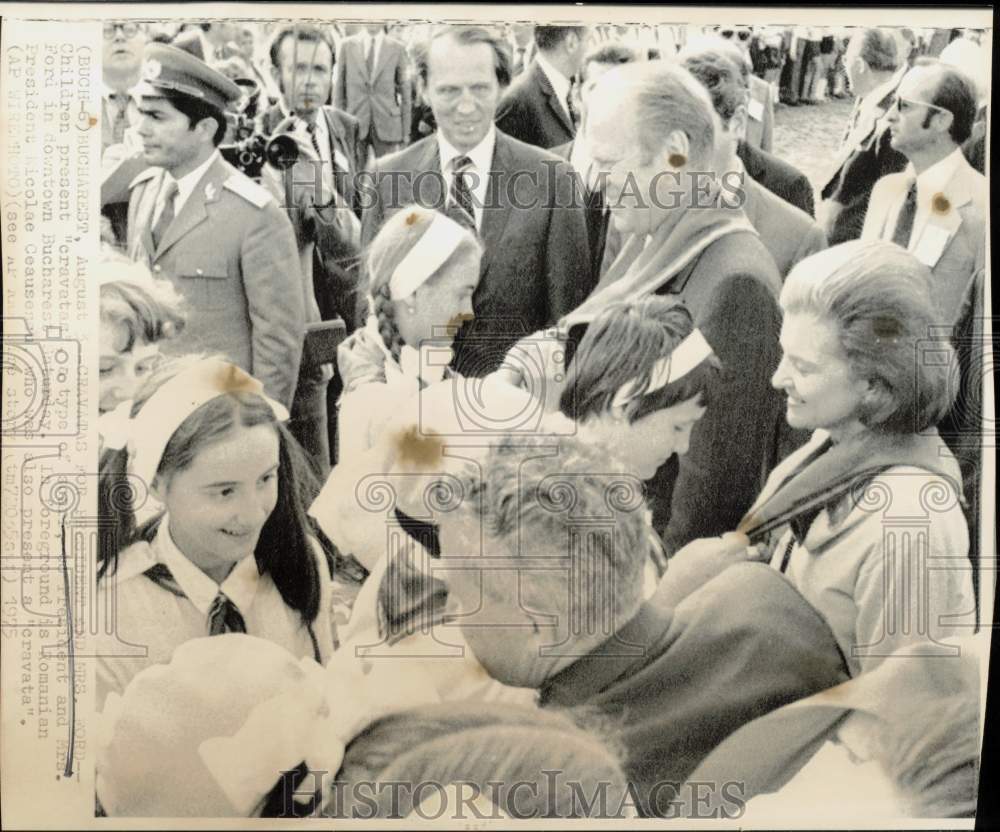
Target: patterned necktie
[(311, 130), (904, 222), (167, 214), (460, 196), (224, 617), (119, 122)]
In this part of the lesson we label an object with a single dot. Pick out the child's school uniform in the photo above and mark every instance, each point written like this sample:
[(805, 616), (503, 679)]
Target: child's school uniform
[(160, 600)]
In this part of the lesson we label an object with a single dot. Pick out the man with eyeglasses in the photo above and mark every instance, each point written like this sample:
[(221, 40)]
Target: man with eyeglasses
[(936, 208), (121, 59), (760, 107)]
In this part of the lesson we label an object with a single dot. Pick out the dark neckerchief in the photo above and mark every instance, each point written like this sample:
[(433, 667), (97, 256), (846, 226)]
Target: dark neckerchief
[(424, 533)]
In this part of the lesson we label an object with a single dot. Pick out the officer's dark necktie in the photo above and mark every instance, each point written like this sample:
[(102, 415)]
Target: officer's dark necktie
[(166, 215), (223, 615), (460, 195), (904, 222)]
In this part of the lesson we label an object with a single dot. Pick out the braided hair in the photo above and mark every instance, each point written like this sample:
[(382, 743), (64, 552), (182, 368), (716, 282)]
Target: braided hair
[(394, 241), (385, 315)]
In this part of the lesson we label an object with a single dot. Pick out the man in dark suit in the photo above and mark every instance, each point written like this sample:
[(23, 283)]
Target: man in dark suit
[(521, 200), (652, 130), (776, 175), (789, 234), (874, 69), (536, 108), (603, 239), (302, 59)]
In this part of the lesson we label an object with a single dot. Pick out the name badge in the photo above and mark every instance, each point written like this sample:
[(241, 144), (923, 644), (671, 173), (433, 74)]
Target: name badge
[(756, 110), (931, 245)]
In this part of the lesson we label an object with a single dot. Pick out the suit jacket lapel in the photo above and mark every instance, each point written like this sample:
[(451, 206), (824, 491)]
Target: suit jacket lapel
[(142, 244), (957, 192), (194, 213), (496, 211), (554, 104)]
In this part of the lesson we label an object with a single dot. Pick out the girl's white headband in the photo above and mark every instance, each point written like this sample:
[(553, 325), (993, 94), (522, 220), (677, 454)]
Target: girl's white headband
[(687, 355), (148, 433), (434, 247)]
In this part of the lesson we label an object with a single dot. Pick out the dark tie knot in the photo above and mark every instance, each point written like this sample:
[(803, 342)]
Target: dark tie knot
[(461, 164), (224, 617)]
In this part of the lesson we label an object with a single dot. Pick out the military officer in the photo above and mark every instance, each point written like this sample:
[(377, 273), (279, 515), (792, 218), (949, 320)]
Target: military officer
[(223, 241)]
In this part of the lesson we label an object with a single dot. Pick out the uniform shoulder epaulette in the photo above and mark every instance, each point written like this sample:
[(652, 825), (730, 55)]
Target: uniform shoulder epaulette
[(148, 173), (253, 193)]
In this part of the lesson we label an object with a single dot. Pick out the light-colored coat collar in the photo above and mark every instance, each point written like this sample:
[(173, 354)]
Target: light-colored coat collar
[(194, 212)]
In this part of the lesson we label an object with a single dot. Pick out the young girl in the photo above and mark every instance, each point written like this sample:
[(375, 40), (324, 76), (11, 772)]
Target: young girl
[(422, 270), (638, 383), (233, 550), (137, 314)]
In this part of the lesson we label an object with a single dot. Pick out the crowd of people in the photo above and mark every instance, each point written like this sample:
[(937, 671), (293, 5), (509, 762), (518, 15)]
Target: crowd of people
[(514, 354)]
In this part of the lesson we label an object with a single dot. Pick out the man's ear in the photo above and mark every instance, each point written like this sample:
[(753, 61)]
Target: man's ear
[(676, 150), (943, 120), (276, 75)]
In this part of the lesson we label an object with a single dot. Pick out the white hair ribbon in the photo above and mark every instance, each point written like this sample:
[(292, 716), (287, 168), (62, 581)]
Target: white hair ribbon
[(433, 248), (151, 429), (687, 355), (114, 426), (312, 723)]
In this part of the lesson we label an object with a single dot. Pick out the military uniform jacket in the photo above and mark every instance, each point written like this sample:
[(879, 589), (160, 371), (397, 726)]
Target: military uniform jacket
[(231, 254)]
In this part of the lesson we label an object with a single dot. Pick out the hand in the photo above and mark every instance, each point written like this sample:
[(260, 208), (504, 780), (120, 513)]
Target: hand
[(697, 563), (360, 362)]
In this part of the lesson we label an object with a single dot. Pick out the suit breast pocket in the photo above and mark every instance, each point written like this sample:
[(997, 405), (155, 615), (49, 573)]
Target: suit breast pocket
[(205, 282)]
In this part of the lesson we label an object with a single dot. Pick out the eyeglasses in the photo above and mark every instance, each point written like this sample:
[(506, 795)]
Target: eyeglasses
[(906, 104), (742, 34), (129, 30)]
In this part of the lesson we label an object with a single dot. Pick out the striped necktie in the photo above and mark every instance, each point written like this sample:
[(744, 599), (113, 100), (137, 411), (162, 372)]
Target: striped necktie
[(120, 102), (460, 195)]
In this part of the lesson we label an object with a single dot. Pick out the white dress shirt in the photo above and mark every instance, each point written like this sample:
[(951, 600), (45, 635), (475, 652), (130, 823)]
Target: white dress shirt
[(152, 621), (185, 186), (482, 161), (560, 83), (372, 45)]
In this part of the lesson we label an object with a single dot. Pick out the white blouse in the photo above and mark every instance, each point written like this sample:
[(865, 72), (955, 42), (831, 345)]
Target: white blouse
[(151, 621)]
